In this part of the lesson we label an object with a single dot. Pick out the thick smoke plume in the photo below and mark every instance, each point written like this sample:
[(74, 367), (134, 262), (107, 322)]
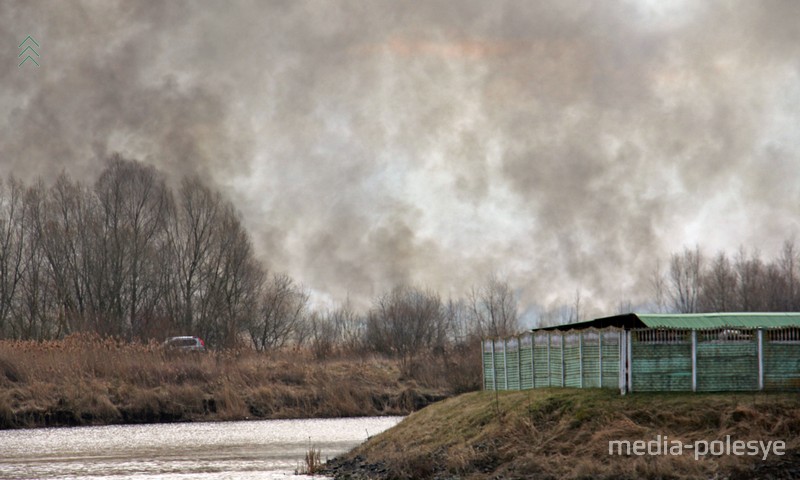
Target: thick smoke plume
[(567, 145)]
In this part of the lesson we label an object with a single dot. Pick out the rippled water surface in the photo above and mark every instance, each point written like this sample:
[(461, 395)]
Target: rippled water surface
[(267, 449)]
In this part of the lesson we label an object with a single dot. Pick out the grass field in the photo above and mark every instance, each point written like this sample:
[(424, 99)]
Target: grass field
[(565, 433)]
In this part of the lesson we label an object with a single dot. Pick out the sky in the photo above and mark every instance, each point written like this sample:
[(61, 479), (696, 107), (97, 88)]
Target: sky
[(567, 146)]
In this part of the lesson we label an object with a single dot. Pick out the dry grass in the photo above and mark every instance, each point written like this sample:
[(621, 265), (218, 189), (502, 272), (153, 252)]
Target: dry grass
[(562, 433), (88, 380), (312, 462)]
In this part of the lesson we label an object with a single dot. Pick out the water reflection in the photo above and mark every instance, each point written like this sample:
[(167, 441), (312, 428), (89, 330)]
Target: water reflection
[(266, 449)]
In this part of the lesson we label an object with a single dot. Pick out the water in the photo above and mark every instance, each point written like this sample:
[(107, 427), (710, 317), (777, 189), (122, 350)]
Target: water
[(268, 449)]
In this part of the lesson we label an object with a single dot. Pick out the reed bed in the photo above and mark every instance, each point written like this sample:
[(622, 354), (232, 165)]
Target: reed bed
[(85, 379)]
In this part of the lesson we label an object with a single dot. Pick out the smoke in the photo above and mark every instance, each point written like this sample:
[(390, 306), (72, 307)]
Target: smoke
[(566, 145)]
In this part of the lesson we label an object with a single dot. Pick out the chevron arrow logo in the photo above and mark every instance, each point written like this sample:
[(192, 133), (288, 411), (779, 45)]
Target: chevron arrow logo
[(29, 50)]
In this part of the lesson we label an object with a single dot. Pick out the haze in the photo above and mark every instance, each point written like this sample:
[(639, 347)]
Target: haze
[(565, 145)]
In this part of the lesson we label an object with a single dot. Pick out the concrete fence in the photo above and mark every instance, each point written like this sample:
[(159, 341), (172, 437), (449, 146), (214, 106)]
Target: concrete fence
[(585, 359), (646, 360)]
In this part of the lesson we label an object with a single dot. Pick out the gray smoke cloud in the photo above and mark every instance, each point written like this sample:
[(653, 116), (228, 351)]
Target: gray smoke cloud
[(566, 145)]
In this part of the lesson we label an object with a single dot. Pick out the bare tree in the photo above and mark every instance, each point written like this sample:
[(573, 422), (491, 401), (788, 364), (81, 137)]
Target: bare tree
[(403, 322), (575, 314), (323, 332), (70, 240), (494, 306), (13, 260), (461, 324), (190, 234), (282, 307), (750, 273), (719, 286), (788, 266), (350, 327), (237, 282), (135, 204), (775, 289), (34, 307), (659, 285), (685, 275)]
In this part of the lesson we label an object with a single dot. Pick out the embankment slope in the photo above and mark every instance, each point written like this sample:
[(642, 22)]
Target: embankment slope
[(564, 433)]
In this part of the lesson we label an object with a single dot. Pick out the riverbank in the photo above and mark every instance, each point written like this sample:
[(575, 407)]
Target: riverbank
[(91, 381), (565, 433)]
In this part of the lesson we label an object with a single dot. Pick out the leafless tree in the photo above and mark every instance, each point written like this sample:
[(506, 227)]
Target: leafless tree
[(404, 322), (788, 266), (685, 275), (461, 324), (494, 306), (283, 305), (35, 305), (719, 286), (659, 285), (13, 258), (350, 327), (575, 314), (751, 275), (66, 227), (323, 333), (235, 283), (190, 236), (135, 205)]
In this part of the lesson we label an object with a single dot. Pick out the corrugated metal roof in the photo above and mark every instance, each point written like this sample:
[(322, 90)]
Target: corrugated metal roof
[(721, 320)]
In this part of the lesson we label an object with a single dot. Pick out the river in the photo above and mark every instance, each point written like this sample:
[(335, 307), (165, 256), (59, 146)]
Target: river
[(266, 449)]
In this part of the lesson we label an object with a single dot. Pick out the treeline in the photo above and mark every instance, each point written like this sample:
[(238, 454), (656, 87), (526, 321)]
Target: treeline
[(721, 283), (133, 257), (412, 323), (127, 257)]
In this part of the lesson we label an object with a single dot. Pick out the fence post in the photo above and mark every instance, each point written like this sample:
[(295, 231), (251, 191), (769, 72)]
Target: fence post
[(694, 360), (600, 350), (505, 363), (629, 359), (760, 335), (519, 363), (580, 359), (622, 361), (494, 369), (533, 362), (563, 370), (549, 369), (483, 363)]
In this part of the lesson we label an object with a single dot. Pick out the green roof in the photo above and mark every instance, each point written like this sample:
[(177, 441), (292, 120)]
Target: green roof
[(721, 320)]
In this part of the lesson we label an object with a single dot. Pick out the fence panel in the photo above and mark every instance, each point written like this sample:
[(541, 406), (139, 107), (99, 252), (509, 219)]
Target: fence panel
[(610, 348), (541, 360), (556, 361), (661, 360), (782, 359), (590, 356), (572, 360), (525, 359), (488, 365), (512, 359), (727, 360), (500, 364)]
